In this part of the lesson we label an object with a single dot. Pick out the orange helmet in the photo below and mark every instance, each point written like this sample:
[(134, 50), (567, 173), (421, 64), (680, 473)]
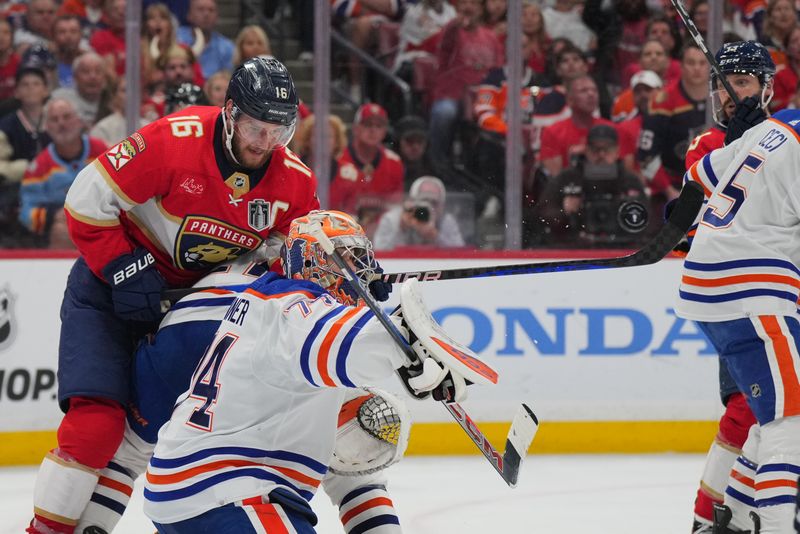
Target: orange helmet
[(303, 257)]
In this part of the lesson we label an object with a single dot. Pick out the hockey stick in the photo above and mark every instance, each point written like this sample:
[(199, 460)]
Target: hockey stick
[(679, 222), (701, 43), (525, 424)]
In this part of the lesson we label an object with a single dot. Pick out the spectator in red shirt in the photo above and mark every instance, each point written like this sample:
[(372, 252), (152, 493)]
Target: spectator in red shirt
[(369, 176), (625, 104), (664, 29), (780, 20), (533, 27), (644, 83), (466, 53), (566, 139), (110, 42), (9, 60), (494, 17), (90, 12)]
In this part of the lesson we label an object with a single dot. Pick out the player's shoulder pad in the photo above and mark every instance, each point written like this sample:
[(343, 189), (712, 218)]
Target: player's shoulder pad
[(789, 117), (271, 284)]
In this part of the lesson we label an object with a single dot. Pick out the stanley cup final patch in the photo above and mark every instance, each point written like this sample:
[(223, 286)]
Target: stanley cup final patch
[(120, 154), (258, 214)]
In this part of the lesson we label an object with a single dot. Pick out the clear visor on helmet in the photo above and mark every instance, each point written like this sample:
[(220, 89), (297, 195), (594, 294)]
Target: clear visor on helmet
[(744, 84), (265, 135)]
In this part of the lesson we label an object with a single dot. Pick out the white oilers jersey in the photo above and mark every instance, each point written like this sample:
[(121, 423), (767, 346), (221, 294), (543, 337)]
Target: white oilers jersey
[(744, 257), (261, 411)]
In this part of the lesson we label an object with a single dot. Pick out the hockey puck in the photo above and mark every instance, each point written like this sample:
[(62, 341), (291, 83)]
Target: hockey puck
[(632, 216)]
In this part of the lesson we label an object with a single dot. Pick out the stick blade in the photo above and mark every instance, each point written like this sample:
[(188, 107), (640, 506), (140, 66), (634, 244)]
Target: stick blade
[(687, 206), (520, 436)]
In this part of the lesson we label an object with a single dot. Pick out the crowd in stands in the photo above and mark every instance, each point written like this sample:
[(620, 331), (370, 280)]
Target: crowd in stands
[(612, 94)]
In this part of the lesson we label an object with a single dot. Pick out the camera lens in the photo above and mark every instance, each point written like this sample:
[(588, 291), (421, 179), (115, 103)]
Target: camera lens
[(422, 213)]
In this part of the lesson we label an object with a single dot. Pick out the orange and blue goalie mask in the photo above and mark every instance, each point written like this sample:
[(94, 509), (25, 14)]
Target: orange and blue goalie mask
[(303, 257)]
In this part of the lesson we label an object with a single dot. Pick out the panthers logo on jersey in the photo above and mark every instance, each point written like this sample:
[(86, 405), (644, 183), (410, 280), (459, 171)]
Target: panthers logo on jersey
[(204, 242)]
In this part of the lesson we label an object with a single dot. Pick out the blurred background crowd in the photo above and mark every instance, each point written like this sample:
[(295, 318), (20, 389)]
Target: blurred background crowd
[(613, 93)]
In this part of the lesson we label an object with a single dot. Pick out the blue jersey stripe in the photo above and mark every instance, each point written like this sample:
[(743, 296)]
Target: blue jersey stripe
[(374, 522), (741, 497), (305, 353), (747, 463), (344, 349), (199, 303), (119, 469), (709, 170), (197, 487), (778, 499), (772, 468), (360, 491), (737, 295), (738, 264), (247, 452), (108, 502)]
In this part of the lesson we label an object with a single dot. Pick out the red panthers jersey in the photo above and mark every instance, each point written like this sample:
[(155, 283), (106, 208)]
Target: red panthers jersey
[(373, 184), (711, 139), (170, 189)]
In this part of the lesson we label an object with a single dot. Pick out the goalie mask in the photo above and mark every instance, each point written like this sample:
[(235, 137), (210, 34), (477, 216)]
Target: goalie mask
[(303, 257)]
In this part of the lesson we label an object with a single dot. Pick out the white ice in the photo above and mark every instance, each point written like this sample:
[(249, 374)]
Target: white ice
[(623, 494)]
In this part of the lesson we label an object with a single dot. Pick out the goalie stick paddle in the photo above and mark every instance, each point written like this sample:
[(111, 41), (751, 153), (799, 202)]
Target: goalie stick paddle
[(523, 428), (675, 228)]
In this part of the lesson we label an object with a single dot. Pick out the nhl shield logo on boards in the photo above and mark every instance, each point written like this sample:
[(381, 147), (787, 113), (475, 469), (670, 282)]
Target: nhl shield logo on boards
[(7, 321), (258, 214)]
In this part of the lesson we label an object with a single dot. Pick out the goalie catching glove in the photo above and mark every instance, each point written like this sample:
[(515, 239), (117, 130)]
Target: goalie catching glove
[(443, 366), (373, 432)]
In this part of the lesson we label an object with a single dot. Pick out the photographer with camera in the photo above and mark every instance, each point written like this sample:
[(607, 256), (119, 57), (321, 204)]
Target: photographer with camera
[(595, 200), (420, 220)]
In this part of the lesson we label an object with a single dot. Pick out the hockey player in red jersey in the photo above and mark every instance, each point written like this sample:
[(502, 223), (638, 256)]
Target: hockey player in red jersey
[(161, 208), (749, 68)]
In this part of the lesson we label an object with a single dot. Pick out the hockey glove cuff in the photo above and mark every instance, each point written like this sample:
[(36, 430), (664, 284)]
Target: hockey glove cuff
[(136, 286)]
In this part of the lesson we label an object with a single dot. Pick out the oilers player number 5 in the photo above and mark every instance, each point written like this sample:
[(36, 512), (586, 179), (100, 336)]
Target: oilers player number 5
[(717, 217)]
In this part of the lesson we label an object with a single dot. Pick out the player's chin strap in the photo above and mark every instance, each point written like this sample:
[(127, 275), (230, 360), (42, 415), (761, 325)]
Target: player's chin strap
[(229, 135)]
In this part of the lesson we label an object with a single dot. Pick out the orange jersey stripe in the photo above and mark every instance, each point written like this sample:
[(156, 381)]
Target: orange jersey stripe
[(115, 485), (366, 505), (747, 481), (277, 295), (324, 350), (270, 519), (791, 388), (741, 279), (222, 464), (769, 484), (696, 177)]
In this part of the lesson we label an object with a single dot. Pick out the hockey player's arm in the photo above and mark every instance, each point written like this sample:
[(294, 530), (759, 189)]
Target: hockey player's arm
[(115, 182), (364, 503)]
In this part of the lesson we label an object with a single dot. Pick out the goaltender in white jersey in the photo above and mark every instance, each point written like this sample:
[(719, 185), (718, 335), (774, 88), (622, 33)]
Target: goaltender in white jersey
[(250, 441), (741, 283)]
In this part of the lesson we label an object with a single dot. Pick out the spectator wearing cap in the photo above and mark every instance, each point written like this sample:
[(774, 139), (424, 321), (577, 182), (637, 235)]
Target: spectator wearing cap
[(90, 13), (89, 71), (369, 176), (466, 52), (420, 221), (9, 60), (22, 133), (644, 84), (46, 181), (22, 137), (598, 175), (109, 42), (40, 57), (212, 49), (412, 146), (566, 139), (633, 100), (67, 41)]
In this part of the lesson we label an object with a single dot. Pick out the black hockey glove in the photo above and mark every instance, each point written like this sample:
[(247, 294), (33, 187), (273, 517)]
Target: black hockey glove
[(748, 113), (136, 286), (379, 289)]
